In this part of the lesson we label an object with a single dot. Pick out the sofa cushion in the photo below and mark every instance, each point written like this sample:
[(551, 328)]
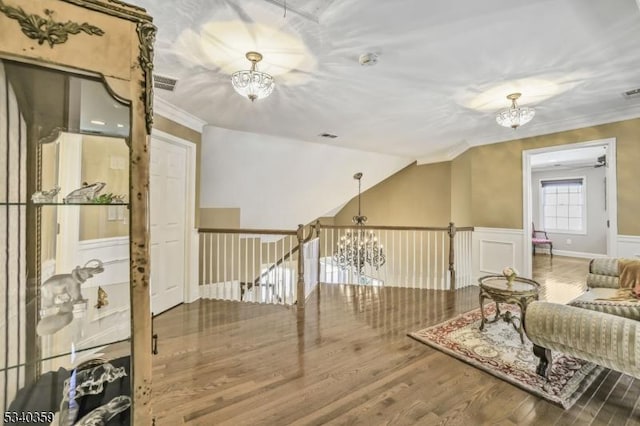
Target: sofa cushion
[(600, 299)]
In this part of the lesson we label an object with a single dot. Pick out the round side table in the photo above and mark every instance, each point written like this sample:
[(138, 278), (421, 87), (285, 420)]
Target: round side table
[(521, 292)]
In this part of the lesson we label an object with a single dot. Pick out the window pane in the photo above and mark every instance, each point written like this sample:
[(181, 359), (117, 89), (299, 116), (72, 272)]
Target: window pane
[(575, 199), (575, 224), (550, 222), (575, 211), (575, 188), (563, 211), (550, 199), (562, 223), (563, 198), (549, 210)]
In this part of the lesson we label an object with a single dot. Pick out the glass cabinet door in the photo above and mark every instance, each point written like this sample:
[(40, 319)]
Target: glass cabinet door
[(65, 308)]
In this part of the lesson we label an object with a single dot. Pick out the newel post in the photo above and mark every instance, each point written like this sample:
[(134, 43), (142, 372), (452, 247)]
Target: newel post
[(300, 284), (452, 271)]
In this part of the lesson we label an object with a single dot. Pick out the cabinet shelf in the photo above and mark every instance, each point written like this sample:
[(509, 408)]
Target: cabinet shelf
[(4, 203), (66, 354)]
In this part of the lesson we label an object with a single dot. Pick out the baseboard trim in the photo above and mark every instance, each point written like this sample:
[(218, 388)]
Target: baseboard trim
[(567, 253)]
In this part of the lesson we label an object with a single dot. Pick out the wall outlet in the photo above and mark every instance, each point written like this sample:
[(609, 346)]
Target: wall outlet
[(568, 240)]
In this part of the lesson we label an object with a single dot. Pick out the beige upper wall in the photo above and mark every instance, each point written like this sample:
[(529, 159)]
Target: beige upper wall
[(415, 196), (483, 186), (496, 173), (220, 217), (178, 130), (461, 189)]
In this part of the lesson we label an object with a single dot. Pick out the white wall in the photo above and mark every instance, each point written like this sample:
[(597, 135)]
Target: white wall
[(280, 183), (595, 239)]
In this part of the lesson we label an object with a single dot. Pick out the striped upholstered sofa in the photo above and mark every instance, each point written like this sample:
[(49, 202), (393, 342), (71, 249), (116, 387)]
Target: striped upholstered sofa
[(596, 326)]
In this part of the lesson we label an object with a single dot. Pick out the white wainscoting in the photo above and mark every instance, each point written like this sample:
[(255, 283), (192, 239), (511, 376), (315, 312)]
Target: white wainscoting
[(311, 273), (111, 322), (192, 290), (495, 248), (629, 246), (114, 255)]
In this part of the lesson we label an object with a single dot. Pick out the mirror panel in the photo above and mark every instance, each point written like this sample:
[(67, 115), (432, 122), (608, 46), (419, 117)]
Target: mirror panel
[(64, 144)]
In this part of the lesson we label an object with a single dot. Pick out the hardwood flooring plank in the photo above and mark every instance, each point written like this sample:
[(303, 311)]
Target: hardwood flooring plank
[(348, 360)]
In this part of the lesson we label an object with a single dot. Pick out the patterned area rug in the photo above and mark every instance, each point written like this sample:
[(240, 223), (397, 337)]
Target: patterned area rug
[(498, 351)]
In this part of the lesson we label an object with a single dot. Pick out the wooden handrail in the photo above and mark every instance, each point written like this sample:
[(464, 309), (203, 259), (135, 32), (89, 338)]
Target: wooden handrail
[(286, 256), (293, 232), (394, 228), (246, 231), (306, 233)]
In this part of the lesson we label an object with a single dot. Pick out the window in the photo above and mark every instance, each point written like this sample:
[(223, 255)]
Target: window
[(563, 205)]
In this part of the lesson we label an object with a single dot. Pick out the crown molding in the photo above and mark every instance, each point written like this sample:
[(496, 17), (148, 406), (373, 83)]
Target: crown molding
[(444, 155), (180, 116), (542, 128), (535, 130)]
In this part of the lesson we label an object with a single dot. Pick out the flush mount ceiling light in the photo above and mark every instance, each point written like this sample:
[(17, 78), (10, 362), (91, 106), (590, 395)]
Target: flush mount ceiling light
[(514, 116), (252, 83)]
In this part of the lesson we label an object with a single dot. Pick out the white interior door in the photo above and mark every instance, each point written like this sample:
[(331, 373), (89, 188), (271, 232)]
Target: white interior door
[(168, 188)]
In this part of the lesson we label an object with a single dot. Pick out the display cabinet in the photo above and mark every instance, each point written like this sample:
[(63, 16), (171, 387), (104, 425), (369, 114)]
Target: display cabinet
[(75, 116)]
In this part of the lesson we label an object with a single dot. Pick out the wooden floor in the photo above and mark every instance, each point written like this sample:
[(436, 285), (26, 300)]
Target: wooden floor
[(348, 360)]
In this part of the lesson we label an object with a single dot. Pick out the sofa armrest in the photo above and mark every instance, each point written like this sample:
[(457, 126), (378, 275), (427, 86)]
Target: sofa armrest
[(604, 266), (607, 281), (604, 339)]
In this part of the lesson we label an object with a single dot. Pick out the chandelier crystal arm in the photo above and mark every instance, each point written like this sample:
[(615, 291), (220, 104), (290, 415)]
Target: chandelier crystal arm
[(359, 247)]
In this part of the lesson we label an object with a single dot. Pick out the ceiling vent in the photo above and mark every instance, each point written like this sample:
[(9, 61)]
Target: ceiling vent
[(164, 83), (632, 94), (328, 135)]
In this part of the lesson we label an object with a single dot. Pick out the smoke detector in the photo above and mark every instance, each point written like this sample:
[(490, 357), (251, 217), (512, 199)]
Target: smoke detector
[(368, 59)]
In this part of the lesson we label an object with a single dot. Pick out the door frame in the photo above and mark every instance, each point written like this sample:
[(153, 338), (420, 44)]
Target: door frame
[(191, 291), (611, 188)]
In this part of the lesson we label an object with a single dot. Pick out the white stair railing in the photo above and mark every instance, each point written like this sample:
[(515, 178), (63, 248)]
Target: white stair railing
[(413, 257), (269, 266)]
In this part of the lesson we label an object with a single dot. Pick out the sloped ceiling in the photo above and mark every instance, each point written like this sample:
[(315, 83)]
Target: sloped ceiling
[(444, 67), (280, 183)]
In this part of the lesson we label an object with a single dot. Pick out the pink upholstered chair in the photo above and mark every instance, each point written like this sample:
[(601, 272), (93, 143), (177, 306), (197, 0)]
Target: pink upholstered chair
[(540, 238)]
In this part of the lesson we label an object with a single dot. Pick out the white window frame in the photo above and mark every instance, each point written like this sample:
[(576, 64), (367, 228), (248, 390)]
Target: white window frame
[(585, 205)]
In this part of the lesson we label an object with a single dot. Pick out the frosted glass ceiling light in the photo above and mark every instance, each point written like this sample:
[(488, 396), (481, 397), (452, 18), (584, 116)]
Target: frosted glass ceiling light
[(515, 116), (252, 83)]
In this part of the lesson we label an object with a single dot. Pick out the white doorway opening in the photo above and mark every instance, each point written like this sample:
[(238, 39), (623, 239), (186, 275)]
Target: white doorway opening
[(609, 165), (171, 220)]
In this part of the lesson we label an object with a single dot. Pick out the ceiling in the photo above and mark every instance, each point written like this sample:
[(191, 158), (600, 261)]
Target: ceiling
[(444, 67)]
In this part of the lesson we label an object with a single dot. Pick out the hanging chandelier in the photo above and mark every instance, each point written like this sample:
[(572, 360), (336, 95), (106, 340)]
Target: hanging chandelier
[(359, 247), (515, 116), (252, 83)]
